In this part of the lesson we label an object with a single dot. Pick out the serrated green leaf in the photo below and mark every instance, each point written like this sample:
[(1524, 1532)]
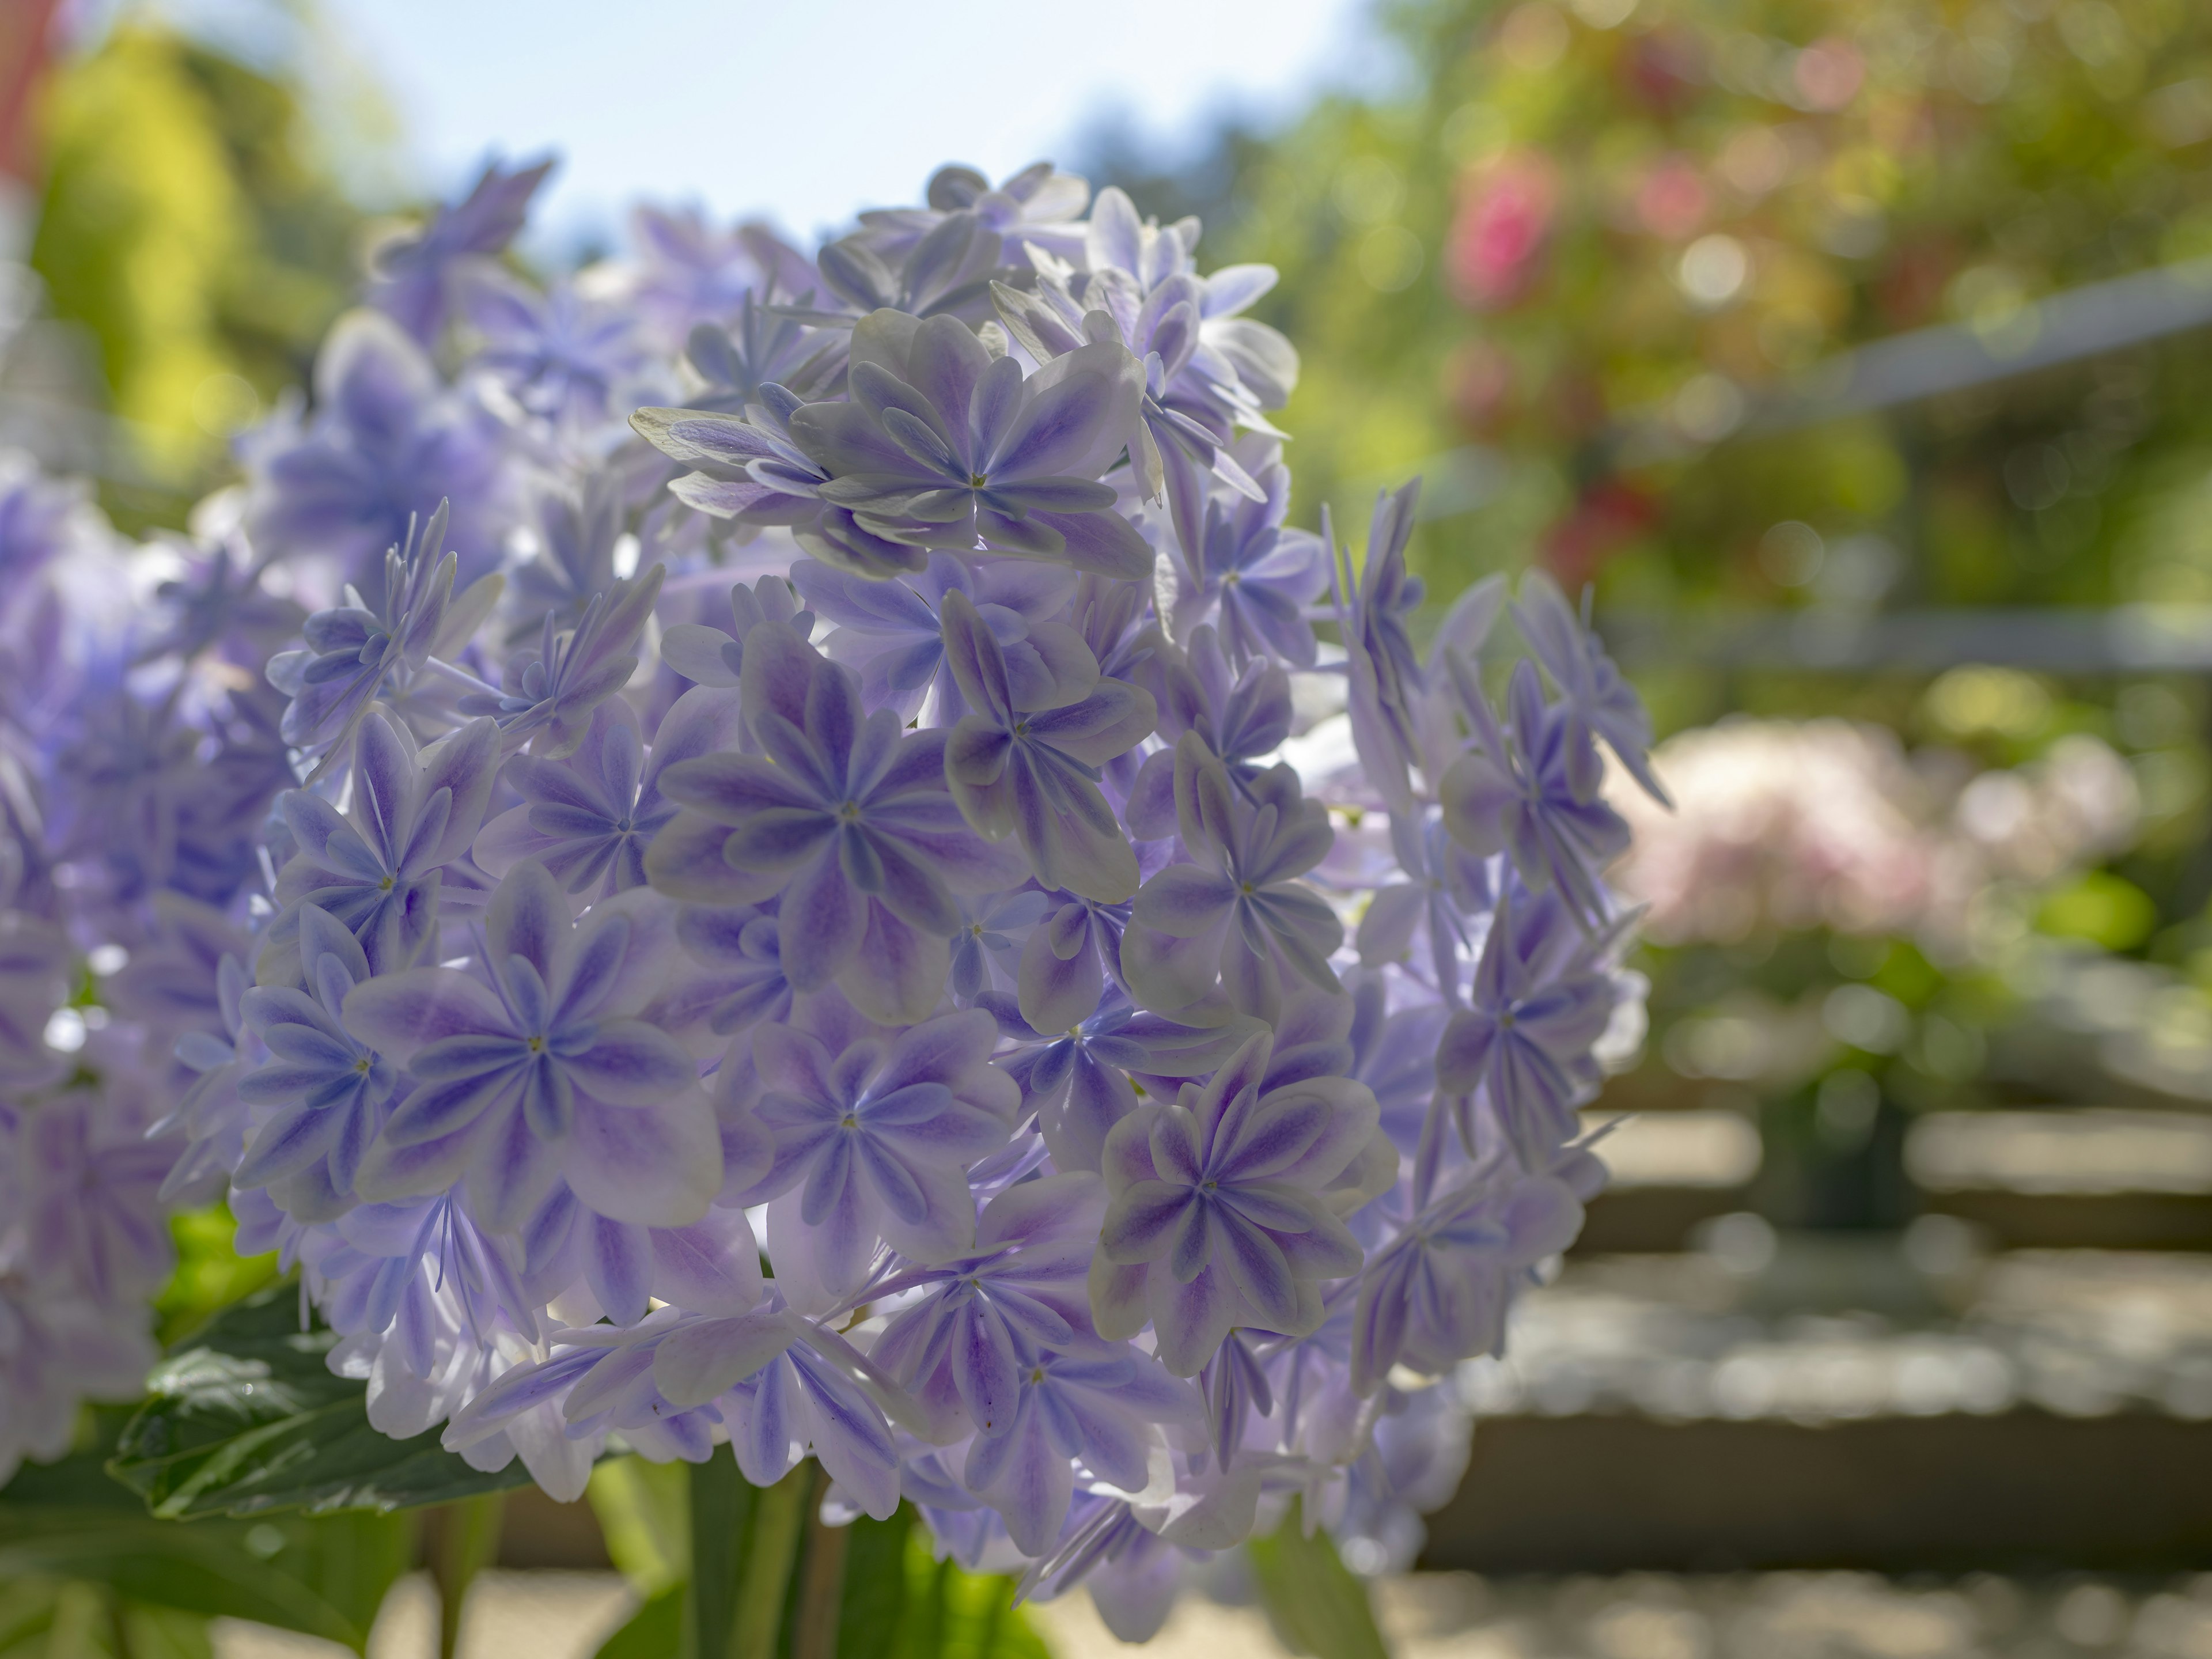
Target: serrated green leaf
[(246, 1419)]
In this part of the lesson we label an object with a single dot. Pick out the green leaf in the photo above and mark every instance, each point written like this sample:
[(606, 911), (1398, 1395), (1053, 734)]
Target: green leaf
[(211, 1274), (644, 1515), (246, 1419), (950, 1613), (70, 1520), (874, 1602), (656, 1631), (722, 1504), (51, 1619), (210, 1570), (1312, 1598)]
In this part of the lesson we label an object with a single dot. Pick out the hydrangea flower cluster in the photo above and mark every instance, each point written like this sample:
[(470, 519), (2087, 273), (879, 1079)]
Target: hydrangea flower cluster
[(769, 886)]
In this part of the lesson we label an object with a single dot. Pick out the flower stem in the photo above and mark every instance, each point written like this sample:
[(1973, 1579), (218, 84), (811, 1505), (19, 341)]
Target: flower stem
[(822, 1582), (779, 1517), (464, 1543), (722, 1507)]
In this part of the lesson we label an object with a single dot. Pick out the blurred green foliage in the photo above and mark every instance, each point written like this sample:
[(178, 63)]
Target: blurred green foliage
[(1587, 236), (192, 228), (210, 1273), (1565, 264)]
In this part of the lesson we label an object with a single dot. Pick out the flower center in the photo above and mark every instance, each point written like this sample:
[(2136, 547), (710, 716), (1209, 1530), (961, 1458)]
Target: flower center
[(537, 1045), (848, 1121), (385, 885), (976, 481), (850, 811)]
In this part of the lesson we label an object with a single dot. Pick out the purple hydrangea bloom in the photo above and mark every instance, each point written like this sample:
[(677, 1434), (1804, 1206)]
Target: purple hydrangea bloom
[(331, 1094), (1243, 716), (953, 899), (844, 816), (565, 359), (1040, 204), (892, 633), (737, 951), (1079, 1078), (1599, 703), (954, 1348), (1387, 679), (413, 273), (1066, 961), (1438, 1293), (945, 446), (874, 1133), (1515, 791), (689, 273), (535, 1070), (1449, 887), (1027, 766), (1523, 1043), (1222, 1208), (1252, 577), (764, 347), (989, 942), (387, 443), (590, 816), (381, 868), (58, 1350), (1237, 910), (548, 698), (91, 1178), (355, 651), (1091, 1405)]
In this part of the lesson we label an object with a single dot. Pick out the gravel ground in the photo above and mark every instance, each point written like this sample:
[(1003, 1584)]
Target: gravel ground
[(1833, 1615)]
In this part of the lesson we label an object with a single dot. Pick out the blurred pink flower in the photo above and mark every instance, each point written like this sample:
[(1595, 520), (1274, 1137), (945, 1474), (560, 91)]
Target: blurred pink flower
[(1824, 823), (1672, 200), (1828, 74), (1505, 213)]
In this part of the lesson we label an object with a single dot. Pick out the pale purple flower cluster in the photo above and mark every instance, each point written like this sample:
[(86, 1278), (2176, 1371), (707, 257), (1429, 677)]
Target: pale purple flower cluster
[(809, 917), (139, 756)]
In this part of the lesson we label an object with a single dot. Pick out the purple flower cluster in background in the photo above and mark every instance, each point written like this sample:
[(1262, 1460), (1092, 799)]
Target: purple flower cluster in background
[(808, 913)]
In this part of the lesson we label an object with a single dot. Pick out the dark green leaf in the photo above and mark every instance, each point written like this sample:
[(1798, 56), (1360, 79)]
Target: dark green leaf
[(208, 1571), (58, 1619), (721, 1515), (874, 1603), (70, 1520), (656, 1631), (952, 1614), (245, 1419), (1311, 1597)]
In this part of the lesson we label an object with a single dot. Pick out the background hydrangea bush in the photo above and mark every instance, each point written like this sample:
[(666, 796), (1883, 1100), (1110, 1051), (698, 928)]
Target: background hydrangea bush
[(706, 850)]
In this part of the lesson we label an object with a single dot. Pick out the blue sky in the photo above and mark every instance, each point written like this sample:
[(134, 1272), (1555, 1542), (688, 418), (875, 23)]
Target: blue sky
[(805, 110)]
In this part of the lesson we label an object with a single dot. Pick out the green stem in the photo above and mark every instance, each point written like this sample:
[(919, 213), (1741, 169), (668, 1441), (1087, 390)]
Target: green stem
[(779, 1517), (466, 1542), (822, 1582), (125, 1647), (721, 1515)]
